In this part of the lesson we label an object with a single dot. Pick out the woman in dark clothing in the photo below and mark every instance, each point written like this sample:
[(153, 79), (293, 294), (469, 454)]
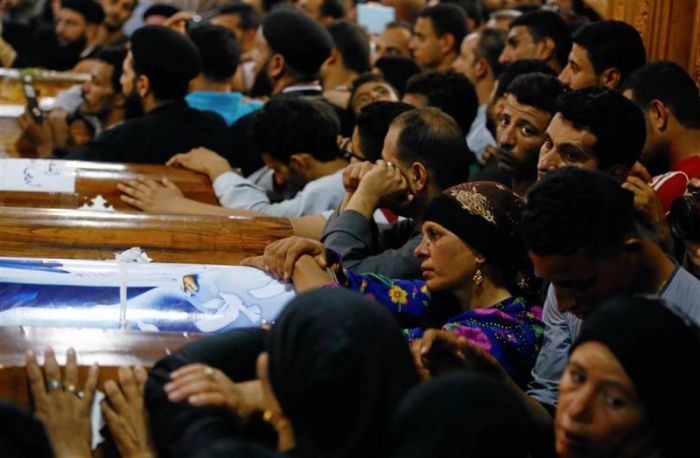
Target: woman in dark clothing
[(630, 387), (335, 369)]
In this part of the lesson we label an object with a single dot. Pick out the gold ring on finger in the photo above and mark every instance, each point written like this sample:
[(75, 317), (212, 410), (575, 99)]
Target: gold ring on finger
[(209, 373), (72, 389)]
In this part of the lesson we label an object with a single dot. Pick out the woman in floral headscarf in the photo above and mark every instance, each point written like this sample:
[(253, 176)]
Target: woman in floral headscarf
[(476, 276)]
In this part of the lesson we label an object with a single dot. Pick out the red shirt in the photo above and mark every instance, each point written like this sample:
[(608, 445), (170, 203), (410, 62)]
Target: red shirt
[(672, 185)]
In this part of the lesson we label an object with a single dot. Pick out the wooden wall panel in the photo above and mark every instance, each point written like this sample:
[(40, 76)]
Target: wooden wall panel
[(670, 29)]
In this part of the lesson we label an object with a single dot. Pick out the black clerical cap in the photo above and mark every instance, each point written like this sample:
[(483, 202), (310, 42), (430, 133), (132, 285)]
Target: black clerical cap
[(160, 52), (303, 43), (91, 10)]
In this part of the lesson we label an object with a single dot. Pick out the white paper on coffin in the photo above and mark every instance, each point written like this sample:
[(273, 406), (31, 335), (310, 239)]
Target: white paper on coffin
[(40, 175), (56, 292)]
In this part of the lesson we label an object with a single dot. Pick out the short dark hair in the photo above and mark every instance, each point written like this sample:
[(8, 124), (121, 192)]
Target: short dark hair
[(352, 43), (400, 24), (219, 50), (669, 83), (447, 18), (543, 24), (397, 70), (490, 46), (573, 209), (537, 90), (517, 68), (114, 56), (373, 123), (433, 138), (612, 44), (617, 123), (247, 16), (332, 8), (290, 124), (160, 9), (472, 8), (451, 92)]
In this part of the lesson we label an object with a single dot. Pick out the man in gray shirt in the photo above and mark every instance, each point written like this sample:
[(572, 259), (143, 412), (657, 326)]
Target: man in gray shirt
[(580, 231), (426, 151)]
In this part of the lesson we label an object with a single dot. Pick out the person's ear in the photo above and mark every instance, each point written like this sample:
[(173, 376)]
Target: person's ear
[(91, 32), (481, 68), (143, 86), (610, 78), (633, 245), (546, 49), (334, 57), (447, 43), (301, 162), (418, 177), (658, 115), (275, 67)]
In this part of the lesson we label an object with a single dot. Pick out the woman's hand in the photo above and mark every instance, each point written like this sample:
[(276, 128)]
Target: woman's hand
[(202, 385), (281, 256), (438, 352), (126, 415), (61, 405)]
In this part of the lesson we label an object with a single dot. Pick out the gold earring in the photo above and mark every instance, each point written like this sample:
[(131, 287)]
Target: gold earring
[(478, 278)]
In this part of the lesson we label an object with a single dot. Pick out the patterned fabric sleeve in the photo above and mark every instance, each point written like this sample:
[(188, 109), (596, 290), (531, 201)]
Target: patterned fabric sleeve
[(409, 297), (510, 330)]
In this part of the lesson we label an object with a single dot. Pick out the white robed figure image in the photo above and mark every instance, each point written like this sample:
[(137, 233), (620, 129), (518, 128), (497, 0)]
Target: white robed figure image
[(173, 297)]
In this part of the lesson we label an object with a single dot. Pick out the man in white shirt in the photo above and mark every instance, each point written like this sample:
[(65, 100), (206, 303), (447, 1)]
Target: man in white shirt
[(478, 61), (298, 139)]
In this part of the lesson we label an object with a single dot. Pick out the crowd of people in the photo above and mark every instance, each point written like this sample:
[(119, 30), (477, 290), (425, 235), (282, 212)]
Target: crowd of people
[(496, 217)]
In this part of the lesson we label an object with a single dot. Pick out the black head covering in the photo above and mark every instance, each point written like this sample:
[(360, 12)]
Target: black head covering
[(486, 216), (659, 348), (21, 434), (304, 44), (339, 366), (462, 414), (163, 54), (91, 10)]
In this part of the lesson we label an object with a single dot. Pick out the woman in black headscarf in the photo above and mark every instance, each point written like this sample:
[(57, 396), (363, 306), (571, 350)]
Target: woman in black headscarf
[(631, 385), (461, 415), (336, 366), (476, 278)]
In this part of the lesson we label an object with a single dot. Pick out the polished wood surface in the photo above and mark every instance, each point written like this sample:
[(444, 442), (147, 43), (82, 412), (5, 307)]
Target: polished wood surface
[(95, 178), (80, 234), (670, 29), (47, 84), (108, 348)]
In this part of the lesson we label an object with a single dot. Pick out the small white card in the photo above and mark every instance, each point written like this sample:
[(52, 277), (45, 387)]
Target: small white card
[(39, 175)]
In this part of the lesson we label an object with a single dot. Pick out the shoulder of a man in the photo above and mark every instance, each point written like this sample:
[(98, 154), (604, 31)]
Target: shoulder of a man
[(683, 290), (560, 330)]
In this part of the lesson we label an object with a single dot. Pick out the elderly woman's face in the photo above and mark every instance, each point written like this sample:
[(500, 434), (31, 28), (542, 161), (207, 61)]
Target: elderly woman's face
[(446, 261), (599, 414)]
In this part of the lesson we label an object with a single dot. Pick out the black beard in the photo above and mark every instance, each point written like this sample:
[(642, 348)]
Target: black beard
[(133, 107), (57, 57), (262, 86)]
